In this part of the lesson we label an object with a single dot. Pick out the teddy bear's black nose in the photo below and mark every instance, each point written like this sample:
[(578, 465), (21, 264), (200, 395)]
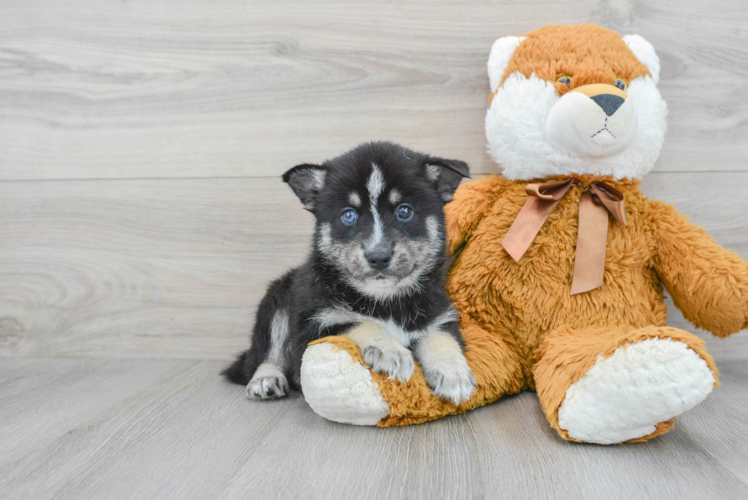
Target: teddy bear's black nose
[(609, 102)]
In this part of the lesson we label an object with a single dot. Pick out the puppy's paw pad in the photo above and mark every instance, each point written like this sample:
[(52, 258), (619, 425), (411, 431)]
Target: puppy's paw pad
[(397, 364), (455, 384), (267, 388)]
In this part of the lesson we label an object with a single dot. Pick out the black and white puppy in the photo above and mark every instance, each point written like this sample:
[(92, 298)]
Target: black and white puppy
[(374, 274)]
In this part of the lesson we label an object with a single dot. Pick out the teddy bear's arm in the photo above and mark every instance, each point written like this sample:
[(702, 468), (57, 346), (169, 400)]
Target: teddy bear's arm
[(707, 282), (471, 202)]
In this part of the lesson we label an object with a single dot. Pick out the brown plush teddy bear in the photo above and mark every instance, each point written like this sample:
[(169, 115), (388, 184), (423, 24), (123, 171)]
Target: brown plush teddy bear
[(562, 261)]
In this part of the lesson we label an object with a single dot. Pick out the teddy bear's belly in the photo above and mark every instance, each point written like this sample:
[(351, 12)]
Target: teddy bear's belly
[(526, 300)]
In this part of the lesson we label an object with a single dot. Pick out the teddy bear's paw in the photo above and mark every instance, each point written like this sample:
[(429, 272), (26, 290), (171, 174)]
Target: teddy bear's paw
[(626, 395), (392, 360), (339, 388)]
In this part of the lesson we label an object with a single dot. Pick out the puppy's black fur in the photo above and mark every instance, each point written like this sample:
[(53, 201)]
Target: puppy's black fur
[(382, 266)]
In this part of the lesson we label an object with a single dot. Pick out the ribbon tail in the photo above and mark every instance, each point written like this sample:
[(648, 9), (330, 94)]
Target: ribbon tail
[(612, 199), (526, 226), (589, 262)]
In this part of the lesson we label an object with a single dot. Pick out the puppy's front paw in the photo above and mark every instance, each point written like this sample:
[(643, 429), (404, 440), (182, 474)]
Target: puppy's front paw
[(445, 368), (453, 383), (396, 363), (383, 353), (270, 387)]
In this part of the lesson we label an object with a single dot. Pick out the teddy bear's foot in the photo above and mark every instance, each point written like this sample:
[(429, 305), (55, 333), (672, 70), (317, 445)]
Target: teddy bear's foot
[(630, 385), (339, 388), (338, 384), (626, 395)]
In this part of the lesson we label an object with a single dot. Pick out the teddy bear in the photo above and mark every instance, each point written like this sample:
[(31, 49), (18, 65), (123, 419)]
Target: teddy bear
[(561, 262)]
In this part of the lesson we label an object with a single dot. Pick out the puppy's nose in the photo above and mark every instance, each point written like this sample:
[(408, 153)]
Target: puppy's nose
[(609, 102), (379, 258)]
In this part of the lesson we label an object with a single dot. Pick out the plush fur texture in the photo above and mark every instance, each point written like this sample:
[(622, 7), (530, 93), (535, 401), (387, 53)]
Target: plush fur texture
[(374, 273), (626, 395), (531, 106), (606, 356), (339, 388)]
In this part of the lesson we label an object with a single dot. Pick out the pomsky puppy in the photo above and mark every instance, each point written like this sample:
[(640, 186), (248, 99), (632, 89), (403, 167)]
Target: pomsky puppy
[(375, 273)]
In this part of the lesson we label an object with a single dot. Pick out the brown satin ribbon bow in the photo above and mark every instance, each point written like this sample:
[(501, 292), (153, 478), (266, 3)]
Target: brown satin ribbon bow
[(597, 200)]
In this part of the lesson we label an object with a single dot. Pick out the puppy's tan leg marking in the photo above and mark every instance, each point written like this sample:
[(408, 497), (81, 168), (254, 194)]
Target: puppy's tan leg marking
[(383, 353), (445, 367)]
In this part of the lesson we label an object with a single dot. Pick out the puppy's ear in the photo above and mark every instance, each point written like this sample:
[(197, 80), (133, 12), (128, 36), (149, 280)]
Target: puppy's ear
[(306, 180), (446, 175)]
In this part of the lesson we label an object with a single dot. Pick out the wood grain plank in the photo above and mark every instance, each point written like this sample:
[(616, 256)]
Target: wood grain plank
[(712, 426), (137, 268), (125, 429), (55, 411), (433, 461), (173, 429), (154, 88), (520, 453), (175, 268)]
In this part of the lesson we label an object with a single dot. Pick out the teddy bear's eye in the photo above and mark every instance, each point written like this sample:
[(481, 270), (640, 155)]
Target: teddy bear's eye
[(566, 80), (620, 84)]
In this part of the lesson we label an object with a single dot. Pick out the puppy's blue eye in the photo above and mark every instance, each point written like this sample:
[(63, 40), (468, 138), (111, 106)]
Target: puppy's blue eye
[(349, 216), (620, 84), (404, 212)]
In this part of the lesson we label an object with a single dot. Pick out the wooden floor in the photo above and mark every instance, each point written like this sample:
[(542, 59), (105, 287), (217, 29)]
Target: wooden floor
[(92, 428), (141, 216)]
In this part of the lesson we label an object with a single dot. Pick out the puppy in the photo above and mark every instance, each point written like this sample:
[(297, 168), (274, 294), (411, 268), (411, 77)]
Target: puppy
[(374, 274)]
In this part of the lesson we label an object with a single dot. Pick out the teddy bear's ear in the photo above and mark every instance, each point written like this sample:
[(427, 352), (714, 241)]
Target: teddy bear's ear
[(446, 175), (644, 51), (306, 180), (501, 54)]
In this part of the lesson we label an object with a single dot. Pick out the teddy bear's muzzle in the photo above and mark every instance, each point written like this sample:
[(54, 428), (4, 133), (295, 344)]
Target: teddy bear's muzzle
[(592, 121)]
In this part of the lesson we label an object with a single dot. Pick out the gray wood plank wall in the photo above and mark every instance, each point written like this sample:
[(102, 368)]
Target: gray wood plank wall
[(141, 143)]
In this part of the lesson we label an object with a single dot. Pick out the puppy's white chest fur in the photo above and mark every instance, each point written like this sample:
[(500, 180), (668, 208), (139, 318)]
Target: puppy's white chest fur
[(340, 316)]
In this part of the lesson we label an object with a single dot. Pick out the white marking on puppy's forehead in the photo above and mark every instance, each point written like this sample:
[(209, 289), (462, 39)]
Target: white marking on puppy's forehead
[(395, 196), (354, 199), (375, 186), (375, 183)]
